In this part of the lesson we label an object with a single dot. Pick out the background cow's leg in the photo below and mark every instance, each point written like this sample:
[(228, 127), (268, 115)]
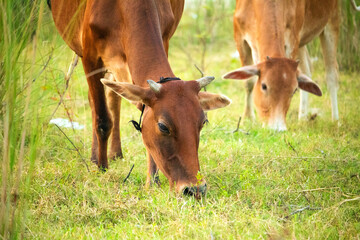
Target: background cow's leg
[(305, 66), (114, 103), (152, 174), (249, 105), (246, 59), (329, 38), (101, 118)]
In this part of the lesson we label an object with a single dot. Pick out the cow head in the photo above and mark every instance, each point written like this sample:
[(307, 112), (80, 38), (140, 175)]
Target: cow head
[(278, 79), (171, 127)]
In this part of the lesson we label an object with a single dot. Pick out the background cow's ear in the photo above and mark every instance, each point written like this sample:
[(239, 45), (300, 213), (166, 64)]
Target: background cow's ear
[(211, 101), (129, 91), (243, 73), (306, 84)]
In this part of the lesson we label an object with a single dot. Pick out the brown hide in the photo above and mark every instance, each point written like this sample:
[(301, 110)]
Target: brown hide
[(131, 37), (279, 29), (68, 17)]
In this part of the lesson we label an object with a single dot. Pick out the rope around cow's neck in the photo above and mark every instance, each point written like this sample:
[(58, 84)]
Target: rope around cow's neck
[(137, 125)]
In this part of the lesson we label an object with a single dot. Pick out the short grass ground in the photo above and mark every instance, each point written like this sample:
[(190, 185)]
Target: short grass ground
[(257, 181), (299, 184)]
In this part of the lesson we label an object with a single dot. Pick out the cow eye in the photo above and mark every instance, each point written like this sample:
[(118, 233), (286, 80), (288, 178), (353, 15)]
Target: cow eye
[(205, 121), (163, 128), (263, 86)]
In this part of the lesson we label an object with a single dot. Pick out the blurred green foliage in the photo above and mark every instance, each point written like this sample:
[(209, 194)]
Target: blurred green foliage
[(349, 41)]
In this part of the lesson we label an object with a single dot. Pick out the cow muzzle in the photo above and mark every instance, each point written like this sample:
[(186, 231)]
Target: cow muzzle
[(198, 191), (278, 123), (278, 126)]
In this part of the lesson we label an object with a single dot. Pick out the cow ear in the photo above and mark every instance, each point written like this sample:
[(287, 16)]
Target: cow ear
[(129, 91), (211, 101), (243, 73), (306, 84)]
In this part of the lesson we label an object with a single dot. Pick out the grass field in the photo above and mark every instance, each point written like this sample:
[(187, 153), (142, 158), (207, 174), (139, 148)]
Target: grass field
[(256, 181), (299, 184)]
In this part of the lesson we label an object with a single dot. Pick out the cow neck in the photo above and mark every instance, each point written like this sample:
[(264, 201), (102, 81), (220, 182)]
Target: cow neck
[(270, 29), (137, 125), (146, 55), (151, 65)]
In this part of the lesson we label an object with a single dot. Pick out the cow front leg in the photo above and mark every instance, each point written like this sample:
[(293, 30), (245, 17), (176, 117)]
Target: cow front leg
[(101, 119), (114, 102), (94, 145), (152, 173), (249, 105), (305, 66), (246, 59), (120, 73)]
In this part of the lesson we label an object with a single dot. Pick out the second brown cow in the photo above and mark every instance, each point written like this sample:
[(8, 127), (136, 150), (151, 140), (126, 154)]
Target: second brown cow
[(271, 35)]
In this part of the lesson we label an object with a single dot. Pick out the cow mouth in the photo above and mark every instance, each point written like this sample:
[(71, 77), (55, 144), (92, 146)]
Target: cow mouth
[(195, 191)]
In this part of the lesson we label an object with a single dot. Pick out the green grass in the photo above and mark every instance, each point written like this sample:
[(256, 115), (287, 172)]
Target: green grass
[(256, 181)]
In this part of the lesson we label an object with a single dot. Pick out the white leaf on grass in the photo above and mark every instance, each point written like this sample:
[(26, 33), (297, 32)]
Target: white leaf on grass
[(61, 122)]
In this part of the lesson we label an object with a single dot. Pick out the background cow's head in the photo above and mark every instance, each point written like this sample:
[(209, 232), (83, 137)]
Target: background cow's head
[(172, 122), (278, 79)]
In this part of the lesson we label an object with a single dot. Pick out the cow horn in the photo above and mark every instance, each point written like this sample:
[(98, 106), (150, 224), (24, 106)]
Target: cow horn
[(357, 8), (205, 81), (154, 86)]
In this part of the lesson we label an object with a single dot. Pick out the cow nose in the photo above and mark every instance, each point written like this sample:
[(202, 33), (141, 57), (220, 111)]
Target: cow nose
[(196, 191), (278, 125)]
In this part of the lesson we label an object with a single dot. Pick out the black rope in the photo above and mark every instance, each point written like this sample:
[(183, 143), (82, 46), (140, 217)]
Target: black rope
[(137, 125), (167, 79)]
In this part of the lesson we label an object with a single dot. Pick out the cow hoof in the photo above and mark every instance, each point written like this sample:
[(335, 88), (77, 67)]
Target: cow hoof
[(94, 160), (115, 155), (157, 181), (154, 181)]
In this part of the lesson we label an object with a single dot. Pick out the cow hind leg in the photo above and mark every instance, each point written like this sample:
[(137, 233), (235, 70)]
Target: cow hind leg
[(101, 119), (305, 66), (328, 40)]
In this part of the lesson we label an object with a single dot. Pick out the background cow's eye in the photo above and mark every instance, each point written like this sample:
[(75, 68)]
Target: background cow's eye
[(263, 86), (163, 128)]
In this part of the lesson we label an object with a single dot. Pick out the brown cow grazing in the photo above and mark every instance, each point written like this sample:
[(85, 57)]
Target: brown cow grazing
[(272, 35), (132, 37)]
